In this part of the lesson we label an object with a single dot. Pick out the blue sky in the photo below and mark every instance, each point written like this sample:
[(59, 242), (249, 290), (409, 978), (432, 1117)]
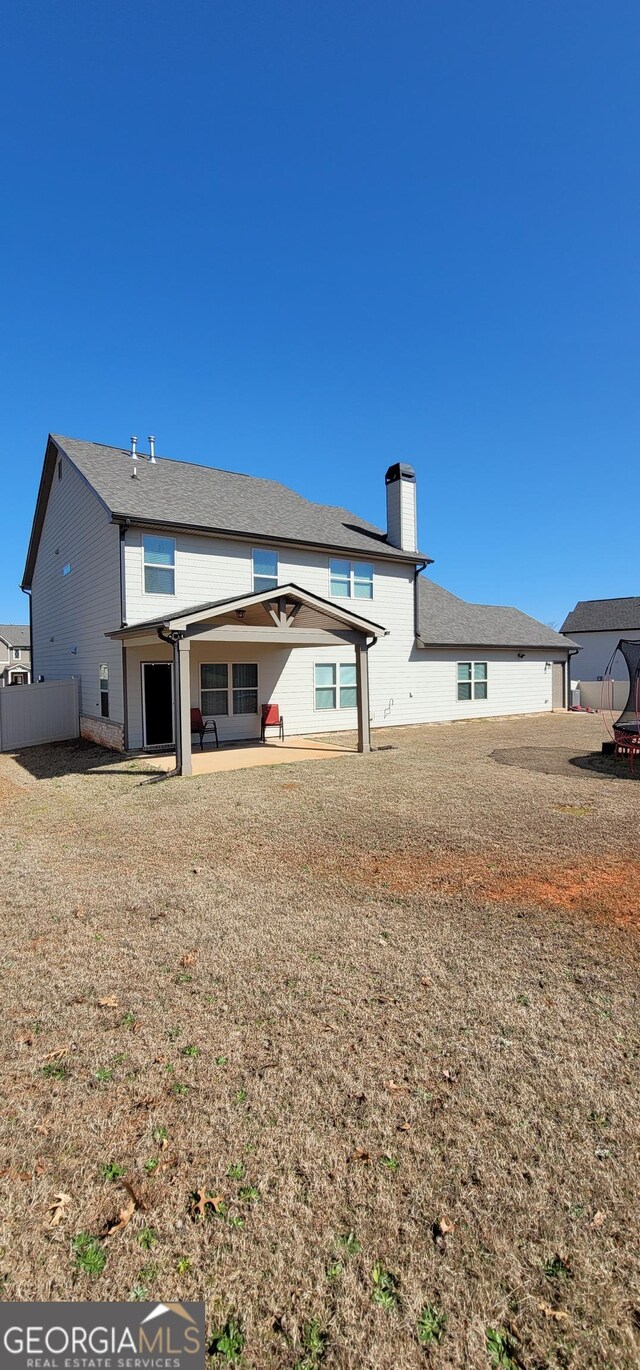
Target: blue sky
[(308, 239)]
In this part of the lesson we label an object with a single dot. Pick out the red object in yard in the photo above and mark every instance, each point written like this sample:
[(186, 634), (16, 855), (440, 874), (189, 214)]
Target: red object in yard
[(271, 718), (199, 726)]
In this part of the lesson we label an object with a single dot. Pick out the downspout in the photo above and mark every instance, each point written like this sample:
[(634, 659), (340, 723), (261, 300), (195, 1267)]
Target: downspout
[(123, 653), (421, 566), (28, 592), (172, 640), (568, 677)]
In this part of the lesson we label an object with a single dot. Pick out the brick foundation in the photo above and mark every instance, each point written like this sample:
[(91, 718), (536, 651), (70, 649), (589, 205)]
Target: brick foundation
[(103, 731)]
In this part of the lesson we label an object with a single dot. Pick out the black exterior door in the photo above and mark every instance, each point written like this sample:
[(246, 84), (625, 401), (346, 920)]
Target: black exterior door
[(158, 703)]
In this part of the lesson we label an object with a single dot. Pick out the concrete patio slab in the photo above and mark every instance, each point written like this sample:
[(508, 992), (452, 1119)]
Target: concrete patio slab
[(246, 754)]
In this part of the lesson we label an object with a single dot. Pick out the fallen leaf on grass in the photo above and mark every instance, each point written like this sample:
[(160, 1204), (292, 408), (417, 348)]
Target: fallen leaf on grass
[(359, 1154), (125, 1215), (189, 959), (598, 1219), (79, 913), (109, 1001), (426, 981), (202, 1199), (58, 1209), (394, 1088), (445, 1226), (550, 1312), (24, 1039), (57, 1054), (11, 1172), (42, 1129), (139, 1203)]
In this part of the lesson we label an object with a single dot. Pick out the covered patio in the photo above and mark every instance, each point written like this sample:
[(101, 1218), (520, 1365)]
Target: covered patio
[(244, 755), (285, 617)]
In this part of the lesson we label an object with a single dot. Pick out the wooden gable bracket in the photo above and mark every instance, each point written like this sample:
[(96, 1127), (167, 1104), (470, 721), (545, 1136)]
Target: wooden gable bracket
[(282, 613)]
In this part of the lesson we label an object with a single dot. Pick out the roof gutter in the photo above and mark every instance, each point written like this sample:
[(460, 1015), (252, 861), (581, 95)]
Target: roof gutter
[(495, 646), (268, 540)]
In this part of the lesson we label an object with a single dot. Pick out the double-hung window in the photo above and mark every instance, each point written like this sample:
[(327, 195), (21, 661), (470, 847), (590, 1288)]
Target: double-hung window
[(335, 686), (228, 688), (159, 565), (350, 579), (245, 687), (214, 688), (472, 680), (265, 569), (104, 691)]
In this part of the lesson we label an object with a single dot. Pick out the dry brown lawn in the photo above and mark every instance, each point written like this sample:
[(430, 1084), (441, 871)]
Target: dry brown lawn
[(383, 1010)]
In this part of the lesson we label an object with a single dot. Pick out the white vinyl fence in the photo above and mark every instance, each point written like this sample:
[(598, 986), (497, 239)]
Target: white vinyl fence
[(32, 714), (612, 696)]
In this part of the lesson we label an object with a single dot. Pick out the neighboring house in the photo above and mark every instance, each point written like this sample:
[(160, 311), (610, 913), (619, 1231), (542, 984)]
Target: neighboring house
[(597, 625), (15, 654), (164, 585)]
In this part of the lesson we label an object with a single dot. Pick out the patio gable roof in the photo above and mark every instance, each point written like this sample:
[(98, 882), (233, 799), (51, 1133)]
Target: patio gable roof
[(263, 611)]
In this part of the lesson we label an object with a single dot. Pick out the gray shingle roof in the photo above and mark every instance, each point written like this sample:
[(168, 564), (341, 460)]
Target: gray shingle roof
[(604, 615), (204, 497), (446, 621), (16, 634)]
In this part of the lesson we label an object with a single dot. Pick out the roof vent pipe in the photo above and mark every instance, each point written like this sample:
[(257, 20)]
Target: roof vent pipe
[(152, 448), (133, 452)]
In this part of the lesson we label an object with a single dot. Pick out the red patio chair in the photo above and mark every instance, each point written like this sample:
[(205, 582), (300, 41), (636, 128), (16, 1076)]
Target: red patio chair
[(271, 718), (199, 726)]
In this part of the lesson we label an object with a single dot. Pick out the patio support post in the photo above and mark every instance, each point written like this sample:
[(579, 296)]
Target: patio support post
[(182, 701), (362, 683)]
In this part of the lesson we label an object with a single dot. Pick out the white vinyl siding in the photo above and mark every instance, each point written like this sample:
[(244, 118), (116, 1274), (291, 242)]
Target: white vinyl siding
[(77, 612)]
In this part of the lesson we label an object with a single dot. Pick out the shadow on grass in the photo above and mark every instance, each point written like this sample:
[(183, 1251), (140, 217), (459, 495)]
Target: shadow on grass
[(563, 761), (58, 759)]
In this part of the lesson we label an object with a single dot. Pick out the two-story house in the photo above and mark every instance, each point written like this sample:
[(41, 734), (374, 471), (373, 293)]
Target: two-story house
[(15, 654), (164, 585)]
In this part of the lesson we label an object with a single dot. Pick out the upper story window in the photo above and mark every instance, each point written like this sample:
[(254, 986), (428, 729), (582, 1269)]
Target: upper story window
[(265, 569), (350, 579), (16, 653), (159, 565), (472, 680)]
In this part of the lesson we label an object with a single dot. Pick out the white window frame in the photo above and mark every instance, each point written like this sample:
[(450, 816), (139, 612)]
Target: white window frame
[(230, 688), (103, 686), (337, 687), (351, 578), (256, 551), (156, 566), (472, 681)]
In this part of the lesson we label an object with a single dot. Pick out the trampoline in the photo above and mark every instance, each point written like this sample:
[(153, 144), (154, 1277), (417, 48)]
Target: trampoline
[(626, 729)]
